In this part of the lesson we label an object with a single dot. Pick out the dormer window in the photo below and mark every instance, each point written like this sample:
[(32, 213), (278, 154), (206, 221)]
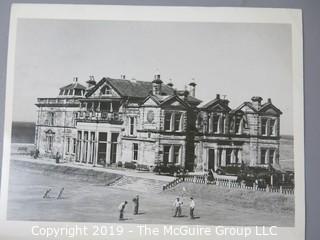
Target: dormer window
[(106, 90), (78, 92)]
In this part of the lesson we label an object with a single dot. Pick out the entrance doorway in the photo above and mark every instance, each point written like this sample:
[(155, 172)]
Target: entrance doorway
[(211, 159)]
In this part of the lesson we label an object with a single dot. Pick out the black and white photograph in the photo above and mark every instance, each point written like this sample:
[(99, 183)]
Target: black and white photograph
[(153, 122)]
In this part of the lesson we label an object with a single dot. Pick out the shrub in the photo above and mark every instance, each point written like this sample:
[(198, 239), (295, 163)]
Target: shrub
[(119, 164), (130, 165), (143, 167)]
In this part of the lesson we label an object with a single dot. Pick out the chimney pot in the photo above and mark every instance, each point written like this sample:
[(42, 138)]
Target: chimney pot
[(218, 96), (269, 100)]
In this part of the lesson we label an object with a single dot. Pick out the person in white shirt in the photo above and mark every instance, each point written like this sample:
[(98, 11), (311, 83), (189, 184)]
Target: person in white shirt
[(192, 206), (178, 207)]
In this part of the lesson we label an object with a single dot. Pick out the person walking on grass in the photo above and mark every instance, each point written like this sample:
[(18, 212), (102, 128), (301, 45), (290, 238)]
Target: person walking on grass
[(192, 206), (58, 157), (136, 205), (177, 207), (121, 207)]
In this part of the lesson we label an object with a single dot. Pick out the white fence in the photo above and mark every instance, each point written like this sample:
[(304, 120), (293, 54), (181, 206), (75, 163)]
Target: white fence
[(227, 183)]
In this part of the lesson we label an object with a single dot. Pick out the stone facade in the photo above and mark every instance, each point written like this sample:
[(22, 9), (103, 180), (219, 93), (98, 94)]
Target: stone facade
[(151, 123)]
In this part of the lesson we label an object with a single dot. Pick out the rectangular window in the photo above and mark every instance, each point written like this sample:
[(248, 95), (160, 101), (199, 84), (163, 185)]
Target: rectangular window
[(114, 144), (271, 155), (237, 125), (263, 156), (50, 118), (176, 154), (264, 126), (272, 127), (102, 148), (167, 121), (166, 154), (131, 125), (68, 145), (74, 145), (215, 123), (103, 136), (177, 119), (135, 151), (228, 156)]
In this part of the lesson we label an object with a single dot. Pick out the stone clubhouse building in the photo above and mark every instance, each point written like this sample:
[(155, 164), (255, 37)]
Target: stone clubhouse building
[(151, 123)]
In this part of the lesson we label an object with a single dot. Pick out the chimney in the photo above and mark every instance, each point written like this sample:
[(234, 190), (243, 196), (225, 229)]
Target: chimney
[(122, 76), (91, 82), (192, 87), (218, 96), (269, 100), (156, 85), (75, 79), (256, 102), (170, 84)]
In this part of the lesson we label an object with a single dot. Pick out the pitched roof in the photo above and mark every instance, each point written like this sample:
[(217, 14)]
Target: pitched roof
[(136, 89), (222, 102), (267, 105), (249, 104), (74, 85)]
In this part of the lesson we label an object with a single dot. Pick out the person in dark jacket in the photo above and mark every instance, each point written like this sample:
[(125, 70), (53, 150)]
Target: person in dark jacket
[(122, 206), (58, 157), (136, 205)]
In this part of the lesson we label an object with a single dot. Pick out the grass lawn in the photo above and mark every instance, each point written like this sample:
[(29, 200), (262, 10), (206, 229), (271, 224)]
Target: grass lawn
[(90, 200)]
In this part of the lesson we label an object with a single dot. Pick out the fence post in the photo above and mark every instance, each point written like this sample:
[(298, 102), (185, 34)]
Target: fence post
[(281, 189)]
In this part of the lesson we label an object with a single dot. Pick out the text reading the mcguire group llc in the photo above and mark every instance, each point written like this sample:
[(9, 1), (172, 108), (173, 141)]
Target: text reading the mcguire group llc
[(145, 230)]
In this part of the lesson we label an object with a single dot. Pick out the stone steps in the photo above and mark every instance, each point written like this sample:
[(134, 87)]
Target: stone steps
[(138, 184)]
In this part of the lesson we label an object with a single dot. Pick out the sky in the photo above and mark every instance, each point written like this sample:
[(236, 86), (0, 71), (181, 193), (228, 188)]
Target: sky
[(238, 60)]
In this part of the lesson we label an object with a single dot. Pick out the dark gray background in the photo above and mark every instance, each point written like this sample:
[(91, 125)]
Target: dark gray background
[(311, 26)]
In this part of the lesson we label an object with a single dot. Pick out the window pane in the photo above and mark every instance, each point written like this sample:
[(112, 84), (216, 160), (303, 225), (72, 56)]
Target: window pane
[(272, 127), (166, 152), (264, 126), (271, 156), (228, 156), (263, 156), (135, 151), (167, 121), (176, 154), (215, 120), (177, 121), (103, 136)]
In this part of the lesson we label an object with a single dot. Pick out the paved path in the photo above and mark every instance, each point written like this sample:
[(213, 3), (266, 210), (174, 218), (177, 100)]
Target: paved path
[(120, 171)]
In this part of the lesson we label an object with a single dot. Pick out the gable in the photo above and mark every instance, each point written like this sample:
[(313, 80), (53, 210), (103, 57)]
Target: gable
[(104, 90), (217, 108), (270, 109), (174, 102), (150, 102)]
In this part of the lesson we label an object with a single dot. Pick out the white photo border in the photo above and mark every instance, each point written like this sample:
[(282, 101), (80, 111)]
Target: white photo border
[(161, 14)]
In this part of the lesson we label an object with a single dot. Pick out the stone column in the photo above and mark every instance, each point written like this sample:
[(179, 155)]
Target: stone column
[(95, 159), (89, 147), (81, 146), (239, 156), (108, 155), (216, 159), (223, 156)]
